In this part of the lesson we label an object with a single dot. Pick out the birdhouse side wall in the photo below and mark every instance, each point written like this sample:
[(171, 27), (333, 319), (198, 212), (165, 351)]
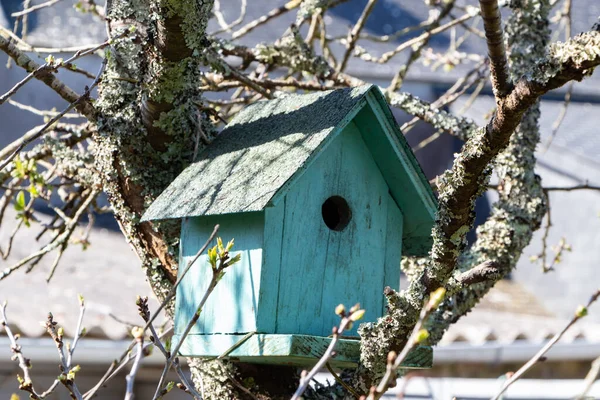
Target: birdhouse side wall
[(322, 267), (231, 307)]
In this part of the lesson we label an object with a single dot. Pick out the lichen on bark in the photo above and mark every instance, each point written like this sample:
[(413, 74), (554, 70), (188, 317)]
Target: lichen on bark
[(149, 119)]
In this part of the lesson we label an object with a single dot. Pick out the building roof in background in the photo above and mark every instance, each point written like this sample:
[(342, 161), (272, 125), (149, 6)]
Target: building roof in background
[(62, 25), (510, 313), (107, 274)]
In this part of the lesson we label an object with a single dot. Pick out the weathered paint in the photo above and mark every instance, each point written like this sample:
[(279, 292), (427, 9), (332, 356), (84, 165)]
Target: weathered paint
[(270, 144), (231, 308), (320, 267), (393, 246), (266, 181), (297, 350)]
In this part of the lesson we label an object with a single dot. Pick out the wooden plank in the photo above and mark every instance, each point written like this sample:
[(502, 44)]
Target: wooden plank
[(356, 255), (231, 307), (393, 247), (299, 350), (266, 313), (304, 248), (407, 184)]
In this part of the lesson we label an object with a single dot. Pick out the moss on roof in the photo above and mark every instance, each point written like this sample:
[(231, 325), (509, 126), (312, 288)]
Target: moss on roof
[(259, 151)]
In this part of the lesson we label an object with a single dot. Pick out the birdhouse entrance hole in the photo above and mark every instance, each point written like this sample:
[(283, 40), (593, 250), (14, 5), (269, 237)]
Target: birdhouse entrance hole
[(336, 213)]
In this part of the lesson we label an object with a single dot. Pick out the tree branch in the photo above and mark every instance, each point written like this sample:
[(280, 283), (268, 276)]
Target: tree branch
[(492, 23), (22, 60)]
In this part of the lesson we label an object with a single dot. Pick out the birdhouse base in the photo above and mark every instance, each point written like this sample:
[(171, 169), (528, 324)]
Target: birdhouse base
[(295, 350)]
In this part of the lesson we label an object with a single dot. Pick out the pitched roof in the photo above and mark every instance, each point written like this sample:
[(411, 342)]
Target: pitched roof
[(265, 146)]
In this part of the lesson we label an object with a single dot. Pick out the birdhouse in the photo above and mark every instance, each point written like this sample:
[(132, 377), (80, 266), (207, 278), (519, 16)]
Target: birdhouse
[(322, 195)]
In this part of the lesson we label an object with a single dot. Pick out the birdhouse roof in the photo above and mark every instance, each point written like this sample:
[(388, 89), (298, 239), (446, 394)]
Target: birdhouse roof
[(269, 143)]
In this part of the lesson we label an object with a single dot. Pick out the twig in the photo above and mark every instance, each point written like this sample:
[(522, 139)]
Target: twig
[(25, 383), (265, 18), (56, 242), (23, 61), (180, 277), (225, 27), (398, 79), (219, 260), (353, 315), (84, 98), (115, 368), (385, 57), (42, 113), (492, 23), (417, 336), (67, 376), (34, 8), (580, 313), (341, 381), (144, 311), (354, 34), (590, 378), (130, 378)]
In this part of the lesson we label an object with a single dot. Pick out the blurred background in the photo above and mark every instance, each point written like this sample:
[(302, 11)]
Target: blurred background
[(503, 331)]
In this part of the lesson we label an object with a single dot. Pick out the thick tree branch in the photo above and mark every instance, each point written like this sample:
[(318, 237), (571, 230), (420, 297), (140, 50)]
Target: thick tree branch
[(458, 190)]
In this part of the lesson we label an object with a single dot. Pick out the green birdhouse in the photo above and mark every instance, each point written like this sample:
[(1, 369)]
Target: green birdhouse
[(322, 195)]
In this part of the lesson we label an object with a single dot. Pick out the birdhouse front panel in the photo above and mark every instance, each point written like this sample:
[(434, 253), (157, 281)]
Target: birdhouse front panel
[(334, 239), (323, 196), (231, 308)]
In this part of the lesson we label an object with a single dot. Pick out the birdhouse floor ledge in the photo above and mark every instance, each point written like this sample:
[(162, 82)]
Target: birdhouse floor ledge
[(282, 349)]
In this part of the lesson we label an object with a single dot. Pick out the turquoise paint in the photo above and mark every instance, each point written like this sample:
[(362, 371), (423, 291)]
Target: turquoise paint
[(294, 350), (322, 268), (294, 269), (393, 246), (392, 157), (231, 307), (269, 285)]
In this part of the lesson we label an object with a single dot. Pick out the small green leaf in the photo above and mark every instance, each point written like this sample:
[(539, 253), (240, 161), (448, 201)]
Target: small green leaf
[(235, 259), (20, 201), (170, 386), (422, 335), (581, 312), (212, 257), (356, 315)]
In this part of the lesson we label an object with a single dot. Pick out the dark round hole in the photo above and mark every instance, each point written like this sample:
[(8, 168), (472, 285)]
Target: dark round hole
[(336, 213)]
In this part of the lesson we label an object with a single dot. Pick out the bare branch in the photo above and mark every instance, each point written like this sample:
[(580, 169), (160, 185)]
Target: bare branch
[(492, 22), (290, 5), (130, 378), (23, 61), (25, 383), (580, 313), (25, 140), (354, 34), (34, 8), (353, 315), (589, 380)]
